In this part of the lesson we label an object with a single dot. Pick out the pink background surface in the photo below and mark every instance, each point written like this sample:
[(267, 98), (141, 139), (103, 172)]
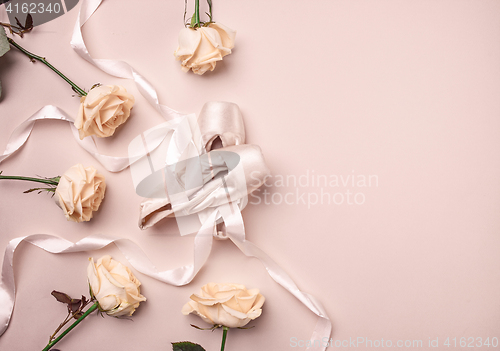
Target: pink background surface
[(404, 90)]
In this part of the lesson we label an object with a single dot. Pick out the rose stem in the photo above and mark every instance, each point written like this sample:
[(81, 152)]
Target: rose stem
[(45, 62), (224, 336), (197, 12), (39, 180), (63, 334)]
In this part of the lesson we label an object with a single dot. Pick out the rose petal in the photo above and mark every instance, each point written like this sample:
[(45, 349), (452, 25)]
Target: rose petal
[(226, 34)]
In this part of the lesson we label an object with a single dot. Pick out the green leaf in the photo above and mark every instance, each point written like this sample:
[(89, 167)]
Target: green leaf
[(4, 43), (186, 346), (193, 21)]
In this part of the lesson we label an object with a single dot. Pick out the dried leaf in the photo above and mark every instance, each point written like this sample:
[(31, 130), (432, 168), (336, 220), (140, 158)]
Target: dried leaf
[(19, 23), (61, 297), (74, 305), (186, 346), (29, 23)]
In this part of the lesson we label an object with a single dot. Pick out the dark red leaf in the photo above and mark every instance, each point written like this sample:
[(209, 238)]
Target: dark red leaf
[(19, 23), (61, 297), (29, 22), (74, 305), (186, 346)]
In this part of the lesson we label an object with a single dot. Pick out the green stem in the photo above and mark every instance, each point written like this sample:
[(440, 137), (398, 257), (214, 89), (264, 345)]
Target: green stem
[(63, 334), (39, 180), (224, 336), (197, 12), (45, 62)]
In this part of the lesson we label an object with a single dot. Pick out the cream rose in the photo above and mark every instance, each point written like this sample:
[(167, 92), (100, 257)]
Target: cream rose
[(80, 192), (230, 305), (103, 109), (199, 49), (114, 286)]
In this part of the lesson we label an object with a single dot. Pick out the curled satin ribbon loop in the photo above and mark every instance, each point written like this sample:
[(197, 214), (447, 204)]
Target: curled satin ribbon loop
[(133, 253), (21, 134), (116, 68), (112, 163)]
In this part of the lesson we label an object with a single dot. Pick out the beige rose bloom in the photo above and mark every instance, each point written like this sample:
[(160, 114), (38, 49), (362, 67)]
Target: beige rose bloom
[(103, 109), (199, 49), (114, 286), (230, 305), (80, 192)]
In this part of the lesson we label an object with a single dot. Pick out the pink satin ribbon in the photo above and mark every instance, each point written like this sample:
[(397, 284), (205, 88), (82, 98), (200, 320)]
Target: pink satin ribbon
[(230, 133), (21, 134)]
